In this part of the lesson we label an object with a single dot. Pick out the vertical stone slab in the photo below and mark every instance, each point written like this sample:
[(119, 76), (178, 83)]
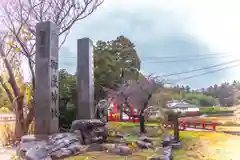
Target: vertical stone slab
[(47, 83), (85, 79)]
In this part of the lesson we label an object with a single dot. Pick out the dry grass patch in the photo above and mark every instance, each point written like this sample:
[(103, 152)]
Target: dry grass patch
[(140, 155), (208, 146), (7, 136)]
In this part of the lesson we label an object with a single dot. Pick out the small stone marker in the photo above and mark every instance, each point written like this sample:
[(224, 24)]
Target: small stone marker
[(47, 83), (85, 79)]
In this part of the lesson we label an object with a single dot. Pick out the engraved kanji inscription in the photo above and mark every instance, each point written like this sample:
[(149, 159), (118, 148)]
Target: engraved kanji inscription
[(54, 112), (54, 64), (54, 97), (54, 81)]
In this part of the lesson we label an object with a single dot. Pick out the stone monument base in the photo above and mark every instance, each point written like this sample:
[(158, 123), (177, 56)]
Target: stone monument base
[(39, 147)]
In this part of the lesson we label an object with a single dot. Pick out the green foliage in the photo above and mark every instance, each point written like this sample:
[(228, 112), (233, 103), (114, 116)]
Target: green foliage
[(67, 116), (196, 98), (113, 60), (5, 104), (215, 110), (67, 107)]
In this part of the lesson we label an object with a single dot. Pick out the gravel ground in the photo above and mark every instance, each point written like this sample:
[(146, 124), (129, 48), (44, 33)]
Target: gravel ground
[(6, 154)]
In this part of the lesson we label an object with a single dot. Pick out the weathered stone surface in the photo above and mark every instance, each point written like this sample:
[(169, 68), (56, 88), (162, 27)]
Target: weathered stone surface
[(46, 108), (96, 147), (28, 141), (57, 145), (93, 130), (85, 79), (70, 150), (176, 145), (167, 153), (65, 144), (37, 152), (146, 139), (142, 144), (121, 150)]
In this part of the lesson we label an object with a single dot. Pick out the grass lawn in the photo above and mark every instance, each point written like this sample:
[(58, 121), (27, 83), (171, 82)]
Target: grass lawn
[(140, 155), (196, 145), (214, 110), (126, 127), (207, 146)]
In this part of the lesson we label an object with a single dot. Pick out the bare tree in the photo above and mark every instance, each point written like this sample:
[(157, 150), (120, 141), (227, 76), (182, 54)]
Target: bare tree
[(19, 18), (139, 94)]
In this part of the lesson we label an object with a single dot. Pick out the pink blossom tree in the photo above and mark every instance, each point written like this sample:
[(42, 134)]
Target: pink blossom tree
[(137, 93)]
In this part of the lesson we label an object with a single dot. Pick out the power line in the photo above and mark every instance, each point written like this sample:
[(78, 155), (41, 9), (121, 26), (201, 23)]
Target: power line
[(175, 59), (214, 71), (190, 56), (172, 57), (199, 69), (184, 60)]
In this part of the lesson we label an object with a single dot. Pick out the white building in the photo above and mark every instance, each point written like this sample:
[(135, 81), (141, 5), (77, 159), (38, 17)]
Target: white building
[(183, 107)]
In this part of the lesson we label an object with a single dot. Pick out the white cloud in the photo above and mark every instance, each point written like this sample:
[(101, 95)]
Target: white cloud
[(215, 23)]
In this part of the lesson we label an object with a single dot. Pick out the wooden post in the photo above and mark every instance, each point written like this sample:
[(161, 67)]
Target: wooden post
[(176, 128)]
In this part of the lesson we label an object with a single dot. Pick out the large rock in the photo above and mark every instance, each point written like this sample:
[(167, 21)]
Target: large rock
[(92, 130), (61, 145), (144, 145), (121, 150), (28, 141), (57, 145)]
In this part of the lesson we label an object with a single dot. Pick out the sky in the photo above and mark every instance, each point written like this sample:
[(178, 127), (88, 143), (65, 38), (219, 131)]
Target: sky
[(161, 28)]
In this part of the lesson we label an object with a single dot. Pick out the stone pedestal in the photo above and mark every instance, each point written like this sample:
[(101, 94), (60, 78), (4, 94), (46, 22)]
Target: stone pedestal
[(85, 79), (47, 83)]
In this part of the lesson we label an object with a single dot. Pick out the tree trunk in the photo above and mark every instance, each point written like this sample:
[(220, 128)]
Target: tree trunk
[(20, 122), (142, 121), (21, 125)]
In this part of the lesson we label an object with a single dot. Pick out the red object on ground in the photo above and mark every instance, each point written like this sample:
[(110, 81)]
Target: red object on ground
[(111, 116), (137, 120), (203, 125), (184, 125), (214, 126), (133, 109)]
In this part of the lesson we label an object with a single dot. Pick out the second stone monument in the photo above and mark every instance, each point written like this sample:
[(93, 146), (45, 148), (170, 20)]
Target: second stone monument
[(85, 79)]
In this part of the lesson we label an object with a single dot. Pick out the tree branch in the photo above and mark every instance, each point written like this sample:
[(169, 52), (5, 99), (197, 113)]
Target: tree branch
[(10, 96)]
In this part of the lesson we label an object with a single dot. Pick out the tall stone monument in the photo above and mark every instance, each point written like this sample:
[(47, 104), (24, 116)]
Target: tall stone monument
[(85, 79), (47, 83)]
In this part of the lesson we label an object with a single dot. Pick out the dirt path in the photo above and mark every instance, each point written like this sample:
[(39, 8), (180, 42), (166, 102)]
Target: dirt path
[(222, 147), (208, 146)]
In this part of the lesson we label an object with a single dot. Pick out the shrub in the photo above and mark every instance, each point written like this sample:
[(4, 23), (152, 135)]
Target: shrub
[(214, 110), (67, 116)]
